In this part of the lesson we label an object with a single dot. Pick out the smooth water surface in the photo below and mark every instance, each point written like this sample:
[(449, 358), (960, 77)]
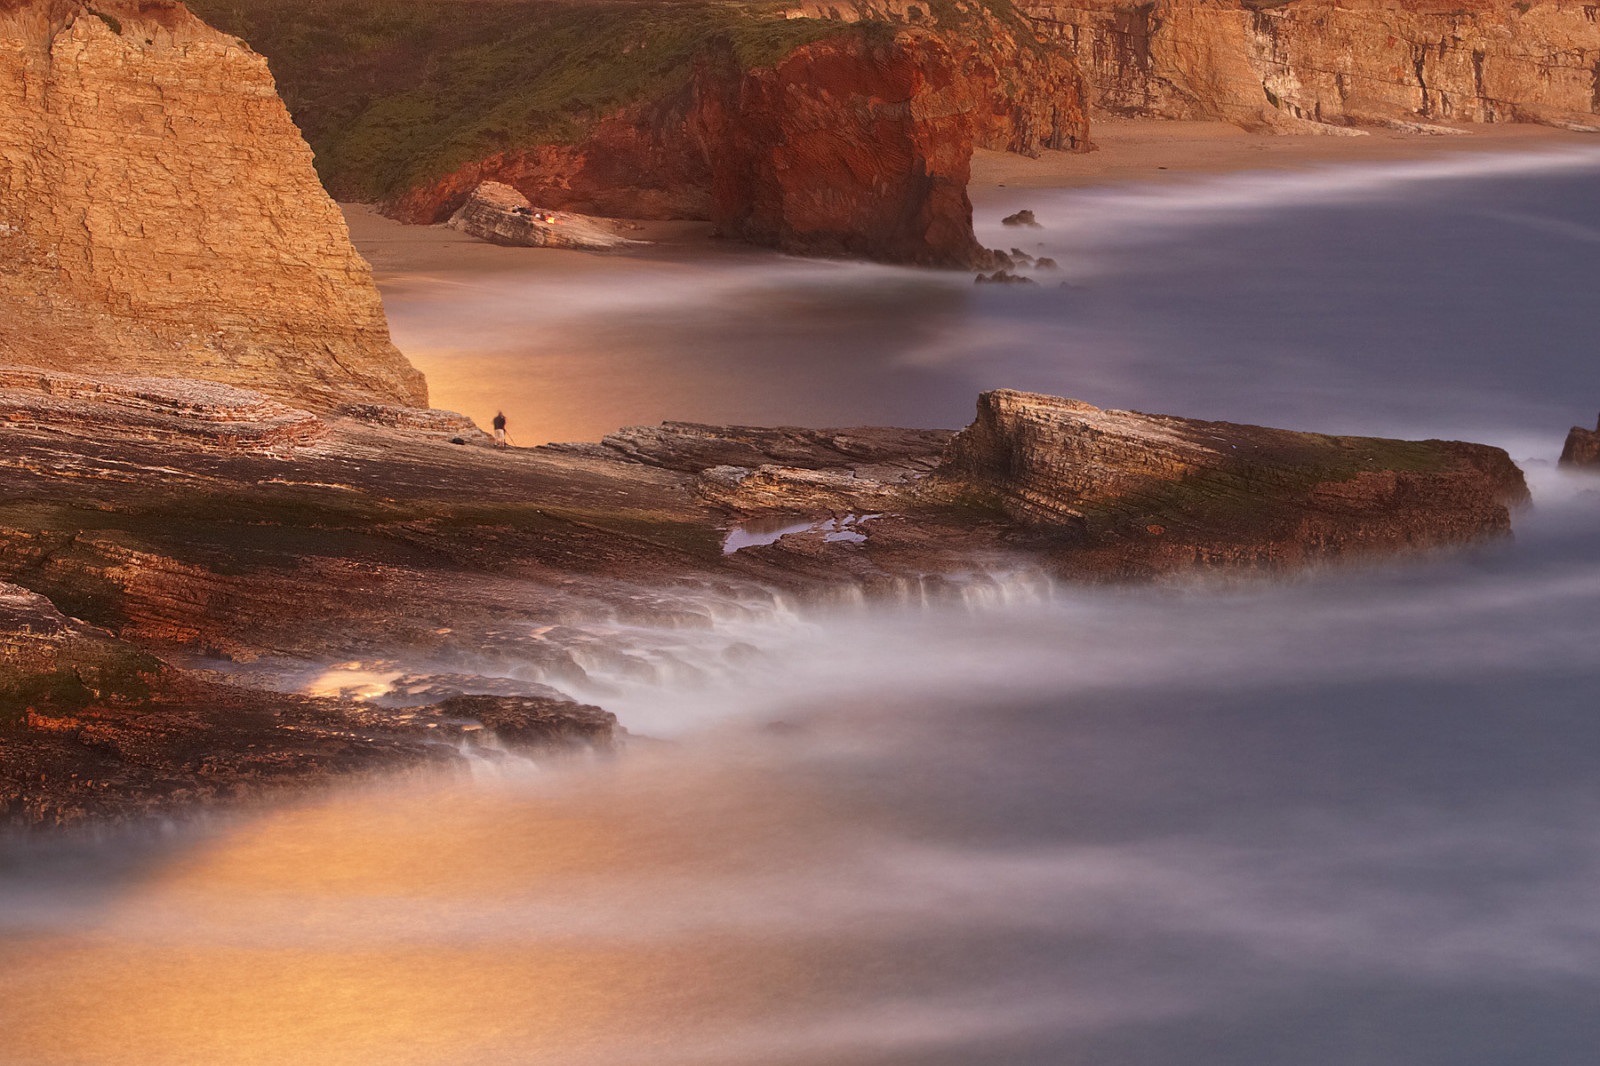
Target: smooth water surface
[(1351, 819)]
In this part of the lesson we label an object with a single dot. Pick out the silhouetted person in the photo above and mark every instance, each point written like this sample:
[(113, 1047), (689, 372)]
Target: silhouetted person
[(500, 428)]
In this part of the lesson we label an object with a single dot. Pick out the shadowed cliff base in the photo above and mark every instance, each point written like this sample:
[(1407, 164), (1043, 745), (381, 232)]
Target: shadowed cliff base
[(387, 533)]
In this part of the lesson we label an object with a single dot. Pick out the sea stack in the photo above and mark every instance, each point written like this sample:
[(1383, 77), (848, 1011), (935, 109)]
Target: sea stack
[(1582, 448)]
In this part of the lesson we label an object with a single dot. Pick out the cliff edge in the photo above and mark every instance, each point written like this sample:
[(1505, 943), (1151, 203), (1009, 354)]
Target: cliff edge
[(160, 215)]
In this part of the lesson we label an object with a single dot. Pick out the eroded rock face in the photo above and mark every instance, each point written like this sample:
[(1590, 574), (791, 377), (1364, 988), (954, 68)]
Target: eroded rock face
[(857, 144), (1318, 66), (850, 147), (1153, 490), (1582, 448), (159, 214), (169, 410)]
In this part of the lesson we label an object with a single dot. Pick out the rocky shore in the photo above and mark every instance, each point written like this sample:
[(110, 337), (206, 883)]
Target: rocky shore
[(220, 484), (141, 542)]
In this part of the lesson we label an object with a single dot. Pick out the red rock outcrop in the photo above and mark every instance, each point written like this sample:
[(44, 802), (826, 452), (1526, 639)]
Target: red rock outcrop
[(159, 214), (848, 147), (1310, 66), (858, 144)]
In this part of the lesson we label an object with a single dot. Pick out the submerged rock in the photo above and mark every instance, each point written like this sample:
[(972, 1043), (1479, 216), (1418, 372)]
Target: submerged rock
[(1021, 218), (1323, 66), (1582, 447), (1003, 277), (501, 215)]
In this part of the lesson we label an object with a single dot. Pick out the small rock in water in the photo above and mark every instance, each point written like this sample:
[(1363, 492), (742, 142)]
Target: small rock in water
[(1002, 277), (1044, 262), (1021, 258), (1021, 218)]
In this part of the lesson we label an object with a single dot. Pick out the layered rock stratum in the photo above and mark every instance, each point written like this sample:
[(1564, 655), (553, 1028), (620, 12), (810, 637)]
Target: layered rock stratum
[(143, 553), (1154, 491), (1320, 66), (160, 214)]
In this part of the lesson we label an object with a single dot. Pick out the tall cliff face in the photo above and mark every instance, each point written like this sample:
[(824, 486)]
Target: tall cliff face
[(819, 131), (159, 213), (852, 146), (1320, 65)]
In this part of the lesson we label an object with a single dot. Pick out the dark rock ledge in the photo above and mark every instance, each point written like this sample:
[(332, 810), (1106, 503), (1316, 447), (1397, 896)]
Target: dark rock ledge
[(147, 524)]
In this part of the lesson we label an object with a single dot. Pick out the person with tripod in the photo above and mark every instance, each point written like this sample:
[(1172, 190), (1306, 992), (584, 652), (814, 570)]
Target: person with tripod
[(499, 429)]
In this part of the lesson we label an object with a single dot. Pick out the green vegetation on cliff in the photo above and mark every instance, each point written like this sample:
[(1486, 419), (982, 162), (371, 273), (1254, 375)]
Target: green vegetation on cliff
[(393, 93)]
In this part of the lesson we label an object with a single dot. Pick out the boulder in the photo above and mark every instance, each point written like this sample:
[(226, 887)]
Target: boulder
[(499, 214)]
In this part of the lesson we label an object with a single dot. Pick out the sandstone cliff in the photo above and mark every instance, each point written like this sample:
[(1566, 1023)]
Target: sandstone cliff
[(1309, 66), (159, 213)]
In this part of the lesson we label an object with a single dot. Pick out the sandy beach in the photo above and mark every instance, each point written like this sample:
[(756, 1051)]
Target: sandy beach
[(1127, 150), (572, 345), (1142, 150)]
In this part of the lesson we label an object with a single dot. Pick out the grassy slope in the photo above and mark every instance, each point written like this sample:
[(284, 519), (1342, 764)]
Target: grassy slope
[(392, 93)]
